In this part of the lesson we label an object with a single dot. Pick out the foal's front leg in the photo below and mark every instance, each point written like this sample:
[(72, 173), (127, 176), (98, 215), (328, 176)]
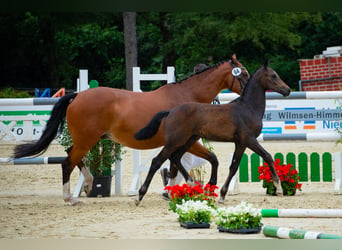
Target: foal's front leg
[(239, 150), (257, 148)]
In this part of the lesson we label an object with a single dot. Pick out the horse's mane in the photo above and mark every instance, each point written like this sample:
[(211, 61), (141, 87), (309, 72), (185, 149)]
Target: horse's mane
[(201, 71)]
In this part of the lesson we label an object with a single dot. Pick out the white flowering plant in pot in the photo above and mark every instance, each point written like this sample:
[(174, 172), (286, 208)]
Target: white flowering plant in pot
[(239, 218), (195, 211)]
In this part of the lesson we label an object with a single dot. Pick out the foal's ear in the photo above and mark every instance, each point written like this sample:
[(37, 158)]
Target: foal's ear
[(266, 63)]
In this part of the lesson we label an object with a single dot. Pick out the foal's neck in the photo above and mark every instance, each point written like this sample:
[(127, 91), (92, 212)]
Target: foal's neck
[(255, 97)]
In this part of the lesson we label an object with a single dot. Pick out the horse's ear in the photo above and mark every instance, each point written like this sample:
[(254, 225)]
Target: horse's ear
[(266, 63), (233, 57)]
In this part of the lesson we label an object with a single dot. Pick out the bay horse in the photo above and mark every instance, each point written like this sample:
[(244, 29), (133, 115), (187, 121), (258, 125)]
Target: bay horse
[(239, 121), (118, 114)]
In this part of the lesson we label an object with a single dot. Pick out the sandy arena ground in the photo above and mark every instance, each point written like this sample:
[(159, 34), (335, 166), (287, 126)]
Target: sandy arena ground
[(31, 204)]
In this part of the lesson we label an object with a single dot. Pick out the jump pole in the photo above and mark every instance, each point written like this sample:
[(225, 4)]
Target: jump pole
[(37, 160), (302, 213), (287, 233)]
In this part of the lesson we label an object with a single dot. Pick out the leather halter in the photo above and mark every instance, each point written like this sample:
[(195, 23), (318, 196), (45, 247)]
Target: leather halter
[(236, 72)]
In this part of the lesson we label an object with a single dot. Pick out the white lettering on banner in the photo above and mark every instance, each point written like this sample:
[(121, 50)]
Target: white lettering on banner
[(302, 116)]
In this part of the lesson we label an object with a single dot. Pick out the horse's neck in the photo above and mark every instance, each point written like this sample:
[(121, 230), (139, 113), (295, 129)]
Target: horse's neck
[(255, 97), (204, 86)]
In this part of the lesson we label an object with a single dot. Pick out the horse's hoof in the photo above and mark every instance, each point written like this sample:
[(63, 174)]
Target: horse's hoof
[(66, 198), (221, 201)]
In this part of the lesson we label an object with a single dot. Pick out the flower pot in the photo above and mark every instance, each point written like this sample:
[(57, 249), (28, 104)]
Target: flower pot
[(284, 193), (240, 230), (101, 186), (191, 225)]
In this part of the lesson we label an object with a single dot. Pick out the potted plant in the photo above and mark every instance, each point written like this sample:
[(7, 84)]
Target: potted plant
[(195, 214), (243, 218), (288, 176), (99, 161)]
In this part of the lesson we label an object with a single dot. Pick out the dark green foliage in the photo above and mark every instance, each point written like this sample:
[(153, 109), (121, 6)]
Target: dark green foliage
[(11, 93), (48, 49)]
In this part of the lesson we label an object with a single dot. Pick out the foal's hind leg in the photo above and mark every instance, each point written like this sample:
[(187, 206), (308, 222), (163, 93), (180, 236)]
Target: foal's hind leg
[(239, 150), (257, 148), (155, 165)]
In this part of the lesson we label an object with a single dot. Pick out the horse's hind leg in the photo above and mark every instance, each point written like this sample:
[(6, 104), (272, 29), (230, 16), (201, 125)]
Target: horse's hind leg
[(88, 177), (173, 173), (239, 150), (74, 157)]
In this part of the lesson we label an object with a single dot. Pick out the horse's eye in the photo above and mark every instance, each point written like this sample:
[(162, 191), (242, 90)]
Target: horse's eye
[(274, 77)]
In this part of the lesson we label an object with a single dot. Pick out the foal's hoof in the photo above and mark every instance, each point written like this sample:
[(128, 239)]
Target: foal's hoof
[(221, 200), (279, 194), (137, 201)]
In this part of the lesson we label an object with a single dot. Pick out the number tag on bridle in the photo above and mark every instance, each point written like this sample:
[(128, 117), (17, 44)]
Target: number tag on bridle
[(236, 71)]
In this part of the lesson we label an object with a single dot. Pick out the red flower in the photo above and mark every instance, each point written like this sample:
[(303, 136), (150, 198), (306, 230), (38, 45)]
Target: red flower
[(178, 193), (288, 176)]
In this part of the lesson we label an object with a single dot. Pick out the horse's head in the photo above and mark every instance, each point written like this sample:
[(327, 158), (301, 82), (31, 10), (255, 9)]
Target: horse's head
[(271, 81), (238, 76)]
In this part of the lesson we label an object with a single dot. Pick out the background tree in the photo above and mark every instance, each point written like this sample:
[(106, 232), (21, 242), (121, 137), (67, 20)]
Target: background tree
[(48, 49), (131, 53)]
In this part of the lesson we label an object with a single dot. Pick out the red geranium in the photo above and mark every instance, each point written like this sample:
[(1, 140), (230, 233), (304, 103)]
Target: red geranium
[(288, 176), (185, 192)]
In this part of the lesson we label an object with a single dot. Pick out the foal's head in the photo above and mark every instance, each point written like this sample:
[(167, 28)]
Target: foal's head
[(271, 80)]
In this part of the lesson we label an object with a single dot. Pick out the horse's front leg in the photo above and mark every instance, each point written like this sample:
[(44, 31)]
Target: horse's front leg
[(200, 151), (239, 150), (257, 148)]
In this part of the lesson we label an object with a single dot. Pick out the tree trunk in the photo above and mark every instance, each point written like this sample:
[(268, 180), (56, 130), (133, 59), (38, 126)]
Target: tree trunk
[(48, 31), (131, 54)]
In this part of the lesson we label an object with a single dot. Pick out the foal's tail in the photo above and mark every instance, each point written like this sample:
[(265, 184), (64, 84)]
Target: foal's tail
[(55, 122), (152, 127)]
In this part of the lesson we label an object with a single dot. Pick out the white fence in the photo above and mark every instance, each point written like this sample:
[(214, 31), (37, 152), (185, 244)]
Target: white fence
[(23, 119)]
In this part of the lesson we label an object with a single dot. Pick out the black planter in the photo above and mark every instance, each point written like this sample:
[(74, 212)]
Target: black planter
[(191, 225), (101, 186)]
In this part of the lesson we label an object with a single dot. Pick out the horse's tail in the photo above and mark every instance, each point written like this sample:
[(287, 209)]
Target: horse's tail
[(152, 127), (55, 123)]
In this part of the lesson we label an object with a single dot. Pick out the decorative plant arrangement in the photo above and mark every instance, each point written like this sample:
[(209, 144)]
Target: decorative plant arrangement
[(180, 194), (195, 205), (195, 214), (243, 218), (98, 160), (288, 176)]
